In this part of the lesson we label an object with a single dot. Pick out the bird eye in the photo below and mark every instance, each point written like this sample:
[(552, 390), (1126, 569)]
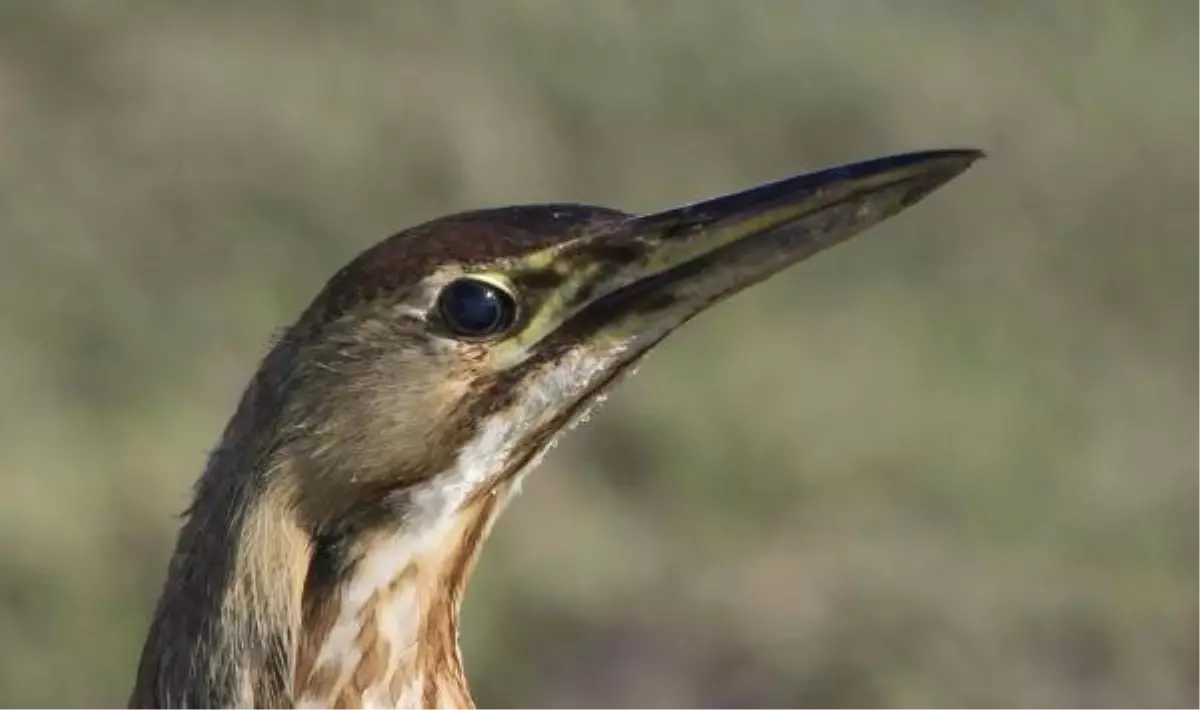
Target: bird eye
[(473, 308)]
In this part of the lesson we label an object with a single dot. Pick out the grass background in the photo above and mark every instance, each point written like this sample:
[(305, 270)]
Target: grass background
[(952, 462)]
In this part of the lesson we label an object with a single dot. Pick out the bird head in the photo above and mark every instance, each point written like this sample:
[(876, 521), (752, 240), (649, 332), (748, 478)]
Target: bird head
[(435, 367)]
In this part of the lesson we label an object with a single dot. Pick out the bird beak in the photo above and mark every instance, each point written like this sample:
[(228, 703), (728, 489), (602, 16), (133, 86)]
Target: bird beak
[(638, 279)]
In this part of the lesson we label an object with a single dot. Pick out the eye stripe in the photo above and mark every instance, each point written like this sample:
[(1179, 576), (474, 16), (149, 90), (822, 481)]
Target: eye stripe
[(538, 280)]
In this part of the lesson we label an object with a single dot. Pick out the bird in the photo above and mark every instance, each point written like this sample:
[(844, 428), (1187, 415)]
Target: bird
[(324, 555)]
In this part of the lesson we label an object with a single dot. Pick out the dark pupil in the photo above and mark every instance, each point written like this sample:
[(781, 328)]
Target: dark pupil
[(473, 308)]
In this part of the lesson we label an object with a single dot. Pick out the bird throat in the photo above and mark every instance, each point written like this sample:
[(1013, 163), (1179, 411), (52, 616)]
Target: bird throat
[(386, 634)]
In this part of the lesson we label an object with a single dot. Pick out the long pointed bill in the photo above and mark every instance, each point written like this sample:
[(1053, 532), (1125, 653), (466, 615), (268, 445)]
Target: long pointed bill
[(638, 279)]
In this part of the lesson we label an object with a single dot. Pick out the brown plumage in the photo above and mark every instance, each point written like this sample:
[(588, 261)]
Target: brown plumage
[(324, 557)]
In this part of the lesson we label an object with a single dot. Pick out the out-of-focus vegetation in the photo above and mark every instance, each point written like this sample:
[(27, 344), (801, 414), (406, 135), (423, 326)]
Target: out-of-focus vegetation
[(951, 462)]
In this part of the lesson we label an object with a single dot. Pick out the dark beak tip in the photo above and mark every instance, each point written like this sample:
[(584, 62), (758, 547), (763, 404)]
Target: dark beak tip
[(926, 171), (953, 163), (948, 161), (966, 157)]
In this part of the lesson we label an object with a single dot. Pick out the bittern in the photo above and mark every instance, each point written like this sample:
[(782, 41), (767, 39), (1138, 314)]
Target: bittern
[(324, 556)]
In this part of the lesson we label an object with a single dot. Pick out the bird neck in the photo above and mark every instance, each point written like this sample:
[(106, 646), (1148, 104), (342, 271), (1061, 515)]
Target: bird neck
[(381, 627), (258, 611), (229, 615)]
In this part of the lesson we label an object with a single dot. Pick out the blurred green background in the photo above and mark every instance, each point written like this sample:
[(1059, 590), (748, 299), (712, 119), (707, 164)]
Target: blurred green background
[(951, 462)]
